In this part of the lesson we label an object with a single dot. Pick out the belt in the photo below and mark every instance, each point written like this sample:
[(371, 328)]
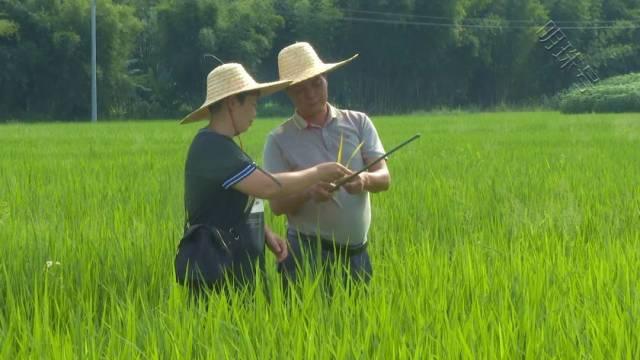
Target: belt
[(331, 246)]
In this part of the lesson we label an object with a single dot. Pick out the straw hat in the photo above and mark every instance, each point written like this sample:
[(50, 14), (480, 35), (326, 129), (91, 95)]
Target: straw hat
[(299, 62), (230, 79)]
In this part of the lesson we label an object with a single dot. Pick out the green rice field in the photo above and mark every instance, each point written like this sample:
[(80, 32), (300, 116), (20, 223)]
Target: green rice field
[(503, 235)]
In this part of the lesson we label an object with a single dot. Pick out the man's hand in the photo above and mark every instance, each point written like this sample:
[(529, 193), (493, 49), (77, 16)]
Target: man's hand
[(276, 244), (320, 192), (358, 184)]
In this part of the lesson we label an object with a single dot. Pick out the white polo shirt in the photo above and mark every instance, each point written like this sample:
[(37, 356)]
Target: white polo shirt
[(296, 145)]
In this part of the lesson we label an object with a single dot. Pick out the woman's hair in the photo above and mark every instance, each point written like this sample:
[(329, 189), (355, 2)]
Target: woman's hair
[(217, 106)]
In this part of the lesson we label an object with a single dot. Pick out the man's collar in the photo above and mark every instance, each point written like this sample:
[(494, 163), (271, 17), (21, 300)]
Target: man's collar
[(301, 123)]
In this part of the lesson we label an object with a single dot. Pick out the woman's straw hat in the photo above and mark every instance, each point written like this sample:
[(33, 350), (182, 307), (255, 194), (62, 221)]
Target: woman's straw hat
[(299, 62), (230, 79)]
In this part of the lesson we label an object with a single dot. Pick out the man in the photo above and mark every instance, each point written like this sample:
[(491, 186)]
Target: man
[(335, 222)]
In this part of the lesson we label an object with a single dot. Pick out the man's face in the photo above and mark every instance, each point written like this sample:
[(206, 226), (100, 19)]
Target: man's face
[(310, 96), (244, 112)]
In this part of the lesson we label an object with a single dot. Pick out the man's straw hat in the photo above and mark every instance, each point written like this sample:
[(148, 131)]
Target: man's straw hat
[(230, 79), (299, 62)]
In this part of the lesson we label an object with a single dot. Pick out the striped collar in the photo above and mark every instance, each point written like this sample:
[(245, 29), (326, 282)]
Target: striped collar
[(301, 123)]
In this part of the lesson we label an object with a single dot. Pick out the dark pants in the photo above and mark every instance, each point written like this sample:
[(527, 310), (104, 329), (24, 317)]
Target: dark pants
[(307, 252), (243, 270), (246, 263)]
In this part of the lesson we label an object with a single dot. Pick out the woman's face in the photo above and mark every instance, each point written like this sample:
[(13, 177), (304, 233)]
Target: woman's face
[(244, 112)]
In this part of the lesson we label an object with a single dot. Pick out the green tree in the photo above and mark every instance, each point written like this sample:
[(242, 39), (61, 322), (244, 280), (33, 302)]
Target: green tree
[(47, 60), (415, 54), (190, 30)]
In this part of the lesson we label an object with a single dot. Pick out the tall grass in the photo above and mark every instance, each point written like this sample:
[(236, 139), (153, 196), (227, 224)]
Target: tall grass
[(614, 95), (503, 235)]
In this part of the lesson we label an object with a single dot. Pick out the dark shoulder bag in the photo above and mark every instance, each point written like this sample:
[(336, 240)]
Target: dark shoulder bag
[(204, 254)]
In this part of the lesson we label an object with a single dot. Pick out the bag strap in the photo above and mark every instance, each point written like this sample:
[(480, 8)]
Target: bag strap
[(186, 220), (187, 225)]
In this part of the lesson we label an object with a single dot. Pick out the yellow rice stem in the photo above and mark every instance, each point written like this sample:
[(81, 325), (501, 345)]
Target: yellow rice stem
[(354, 153)]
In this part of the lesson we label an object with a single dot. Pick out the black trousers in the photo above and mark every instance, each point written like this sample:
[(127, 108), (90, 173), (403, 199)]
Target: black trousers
[(322, 256)]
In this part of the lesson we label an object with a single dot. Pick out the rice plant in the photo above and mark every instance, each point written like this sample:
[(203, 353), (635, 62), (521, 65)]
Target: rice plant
[(510, 235)]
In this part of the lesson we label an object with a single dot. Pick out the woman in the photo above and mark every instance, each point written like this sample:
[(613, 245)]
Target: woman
[(222, 181)]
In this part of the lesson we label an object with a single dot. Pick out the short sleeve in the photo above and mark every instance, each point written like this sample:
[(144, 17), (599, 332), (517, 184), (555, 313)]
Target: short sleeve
[(372, 147), (218, 159), (274, 161)]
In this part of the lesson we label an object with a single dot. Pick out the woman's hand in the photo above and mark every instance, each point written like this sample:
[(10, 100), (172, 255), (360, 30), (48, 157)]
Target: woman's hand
[(276, 244), (331, 171), (321, 192)]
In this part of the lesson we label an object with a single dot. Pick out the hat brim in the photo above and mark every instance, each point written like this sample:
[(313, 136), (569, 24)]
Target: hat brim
[(265, 89), (321, 69)]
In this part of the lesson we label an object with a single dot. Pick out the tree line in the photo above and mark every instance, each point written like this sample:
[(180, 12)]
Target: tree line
[(154, 55)]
